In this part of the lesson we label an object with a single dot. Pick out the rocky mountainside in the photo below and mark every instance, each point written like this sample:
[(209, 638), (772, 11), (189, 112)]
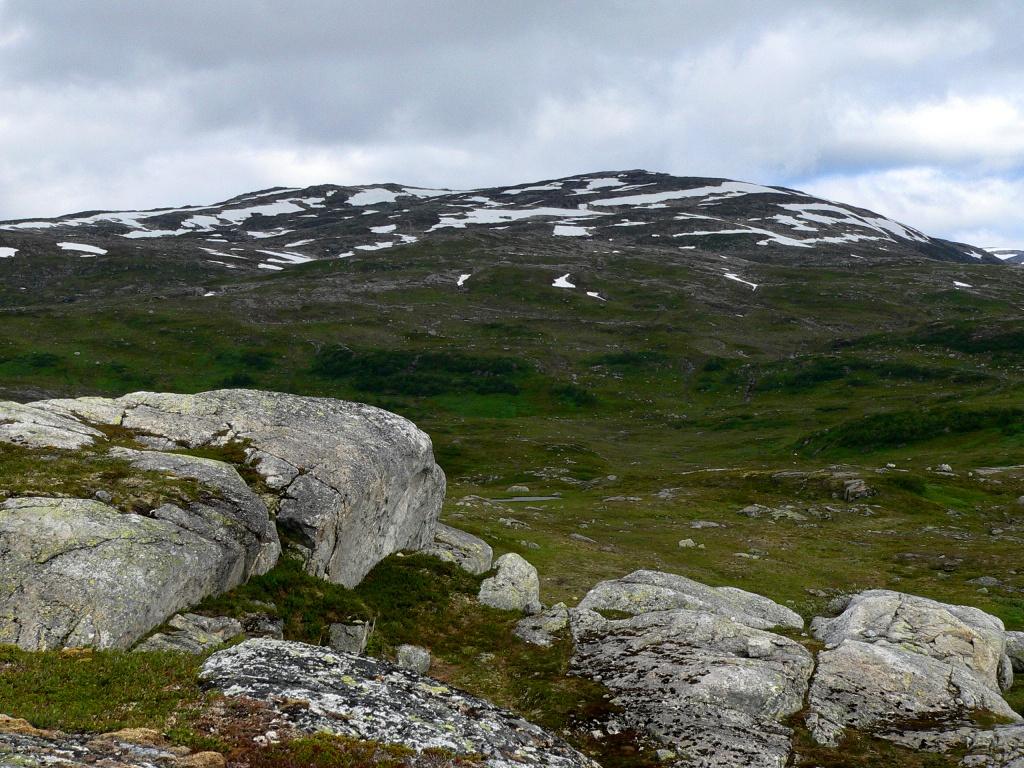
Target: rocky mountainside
[(601, 213), (1008, 255)]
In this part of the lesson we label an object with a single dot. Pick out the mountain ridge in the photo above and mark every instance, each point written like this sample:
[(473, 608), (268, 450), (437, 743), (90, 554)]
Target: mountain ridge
[(281, 227)]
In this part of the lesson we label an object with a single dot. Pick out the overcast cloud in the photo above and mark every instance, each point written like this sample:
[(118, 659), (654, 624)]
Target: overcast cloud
[(914, 109)]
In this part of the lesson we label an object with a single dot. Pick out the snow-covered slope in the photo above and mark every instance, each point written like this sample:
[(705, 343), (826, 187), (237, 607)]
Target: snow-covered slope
[(279, 228)]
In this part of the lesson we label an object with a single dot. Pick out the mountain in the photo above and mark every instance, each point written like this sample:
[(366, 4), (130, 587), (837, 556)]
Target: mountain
[(279, 228), (1008, 255)]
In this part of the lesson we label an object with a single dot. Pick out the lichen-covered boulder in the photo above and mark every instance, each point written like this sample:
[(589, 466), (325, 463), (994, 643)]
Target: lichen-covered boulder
[(644, 591), (469, 552), (375, 700), (515, 587), (76, 572), (705, 686), (356, 483), (23, 746), (959, 635)]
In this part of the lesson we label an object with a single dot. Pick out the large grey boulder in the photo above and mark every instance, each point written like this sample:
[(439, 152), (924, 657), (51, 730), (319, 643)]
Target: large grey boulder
[(959, 635), (711, 689), (469, 552), (373, 699), (515, 587), (643, 591), (356, 483), (887, 690), (76, 572)]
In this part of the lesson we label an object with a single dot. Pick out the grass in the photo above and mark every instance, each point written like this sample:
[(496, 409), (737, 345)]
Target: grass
[(99, 691)]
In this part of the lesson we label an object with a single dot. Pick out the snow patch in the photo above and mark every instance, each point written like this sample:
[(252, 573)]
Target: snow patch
[(6, 253), (567, 230), (81, 247), (385, 229), (462, 280), (738, 279), (562, 282)]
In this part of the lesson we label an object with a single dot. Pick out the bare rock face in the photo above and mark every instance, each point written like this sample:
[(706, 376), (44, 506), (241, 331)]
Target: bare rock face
[(1015, 650), (711, 689), (355, 484), (542, 628), (375, 700), (643, 591), (191, 633)]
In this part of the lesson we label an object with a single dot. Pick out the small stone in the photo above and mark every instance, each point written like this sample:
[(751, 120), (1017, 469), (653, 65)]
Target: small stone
[(511, 522), (263, 625), (515, 587), (582, 538), (945, 468), (517, 489), (687, 543), (349, 638), (104, 496), (415, 658), (698, 524), (529, 544)]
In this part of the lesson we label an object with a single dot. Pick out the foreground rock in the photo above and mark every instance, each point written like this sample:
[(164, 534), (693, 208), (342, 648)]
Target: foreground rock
[(372, 699), (914, 671), (515, 587), (356, 483), (712, 690), (22, 746), (958, 635), (80, 573), (1015, 650), (469, 552), (644, 591)]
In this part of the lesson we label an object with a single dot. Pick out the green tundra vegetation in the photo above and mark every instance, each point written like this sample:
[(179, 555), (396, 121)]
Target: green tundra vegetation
[(685, 397)]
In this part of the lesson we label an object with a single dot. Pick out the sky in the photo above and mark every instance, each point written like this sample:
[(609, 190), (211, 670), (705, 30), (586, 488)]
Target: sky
[(914, 109)]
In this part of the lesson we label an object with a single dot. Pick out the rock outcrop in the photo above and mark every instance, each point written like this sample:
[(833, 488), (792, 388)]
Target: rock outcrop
[(645, 591), (515, 587), (372, 699), (709, 688), (469, 552), (354, 484)]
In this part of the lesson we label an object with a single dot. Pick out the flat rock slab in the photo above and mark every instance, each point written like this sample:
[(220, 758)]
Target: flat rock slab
[(711, 689), (357, 483), (644, 591), (375, 700)]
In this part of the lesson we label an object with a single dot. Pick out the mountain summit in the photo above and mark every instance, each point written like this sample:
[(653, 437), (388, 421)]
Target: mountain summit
[(277, 228)]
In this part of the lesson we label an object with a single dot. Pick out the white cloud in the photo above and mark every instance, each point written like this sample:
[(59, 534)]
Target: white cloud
[(984, 211), (108, 104)]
